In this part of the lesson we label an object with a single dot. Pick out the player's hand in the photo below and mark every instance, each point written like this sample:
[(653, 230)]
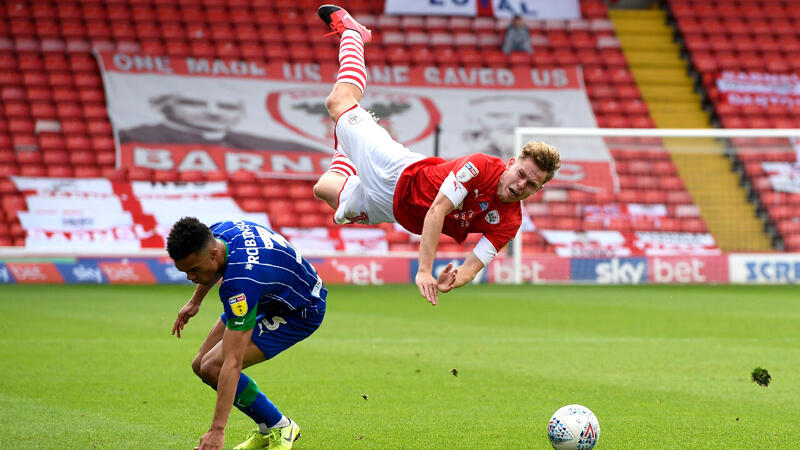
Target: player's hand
[(188, 311), (427, 287), (212, 440), (447, 278)]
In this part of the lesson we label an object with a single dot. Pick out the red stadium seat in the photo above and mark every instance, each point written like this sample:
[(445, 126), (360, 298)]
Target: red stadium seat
[(87, 172), (253, 205)]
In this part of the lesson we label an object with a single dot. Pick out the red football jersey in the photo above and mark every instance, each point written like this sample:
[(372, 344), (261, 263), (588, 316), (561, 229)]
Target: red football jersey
[(472, 178)]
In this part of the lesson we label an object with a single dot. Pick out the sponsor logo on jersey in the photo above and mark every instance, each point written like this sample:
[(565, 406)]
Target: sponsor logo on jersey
[(483, 205), (467, 172), (353, 118), (493, 217), (250, 243), (238, 304)]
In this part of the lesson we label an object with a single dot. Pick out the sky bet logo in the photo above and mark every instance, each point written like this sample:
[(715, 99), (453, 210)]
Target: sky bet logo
[(610, 271)]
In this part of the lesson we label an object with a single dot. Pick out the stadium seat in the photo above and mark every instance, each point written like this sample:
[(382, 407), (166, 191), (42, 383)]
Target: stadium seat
[(86, 171), (253, 204)]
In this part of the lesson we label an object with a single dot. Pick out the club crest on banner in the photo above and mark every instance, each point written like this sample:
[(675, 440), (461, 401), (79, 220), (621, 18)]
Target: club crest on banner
[(408, 118)]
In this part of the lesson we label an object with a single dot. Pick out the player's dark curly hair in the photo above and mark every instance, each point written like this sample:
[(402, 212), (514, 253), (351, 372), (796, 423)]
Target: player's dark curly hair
[(187, 236)]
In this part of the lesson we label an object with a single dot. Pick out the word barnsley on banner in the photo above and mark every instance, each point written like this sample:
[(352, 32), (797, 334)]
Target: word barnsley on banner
[(532, 9), (199, 114)]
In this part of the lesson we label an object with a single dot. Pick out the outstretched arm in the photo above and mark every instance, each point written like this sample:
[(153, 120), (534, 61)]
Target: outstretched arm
[(431, 231), (191, 307), (234, 343), (467, 271)]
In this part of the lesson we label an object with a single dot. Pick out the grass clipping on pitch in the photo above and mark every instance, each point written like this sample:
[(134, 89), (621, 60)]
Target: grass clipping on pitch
[(761, 376)]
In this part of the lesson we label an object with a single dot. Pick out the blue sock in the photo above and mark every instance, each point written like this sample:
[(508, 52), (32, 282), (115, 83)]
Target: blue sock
[(254, 403)]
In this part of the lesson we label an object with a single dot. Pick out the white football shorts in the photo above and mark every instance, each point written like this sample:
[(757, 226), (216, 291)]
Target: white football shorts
[(379, 160)]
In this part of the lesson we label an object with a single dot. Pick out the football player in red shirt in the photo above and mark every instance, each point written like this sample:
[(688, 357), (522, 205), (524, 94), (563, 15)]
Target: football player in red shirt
[(374, 179)]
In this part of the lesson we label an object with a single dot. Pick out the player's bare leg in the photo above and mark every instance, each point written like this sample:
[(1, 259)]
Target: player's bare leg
[(328, 187), (343, 97), (213, 338), (211, 362)]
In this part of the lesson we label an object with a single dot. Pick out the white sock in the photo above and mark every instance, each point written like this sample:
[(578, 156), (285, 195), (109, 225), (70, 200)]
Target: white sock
[(284, 422)]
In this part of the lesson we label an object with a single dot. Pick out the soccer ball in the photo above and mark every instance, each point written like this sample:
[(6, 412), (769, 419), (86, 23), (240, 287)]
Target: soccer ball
[(573, 427)]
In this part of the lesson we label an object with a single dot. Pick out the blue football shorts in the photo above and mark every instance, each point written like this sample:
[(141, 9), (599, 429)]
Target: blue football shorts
[(275, 332)]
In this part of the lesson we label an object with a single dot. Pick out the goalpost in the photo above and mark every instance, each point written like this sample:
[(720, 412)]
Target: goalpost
[(743, 184)]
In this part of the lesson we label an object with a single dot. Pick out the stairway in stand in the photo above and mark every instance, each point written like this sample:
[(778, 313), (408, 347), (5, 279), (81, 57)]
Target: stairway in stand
[(662, 77)]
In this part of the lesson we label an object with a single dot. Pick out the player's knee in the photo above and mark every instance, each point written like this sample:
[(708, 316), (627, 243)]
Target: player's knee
[(328, 187), (319, 190), (209, 370), (322, 188), (196, 362), (333, 103), (339, 101)]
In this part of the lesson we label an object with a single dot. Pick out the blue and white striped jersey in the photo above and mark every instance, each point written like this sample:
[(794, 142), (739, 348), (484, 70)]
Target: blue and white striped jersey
[(261, 267)]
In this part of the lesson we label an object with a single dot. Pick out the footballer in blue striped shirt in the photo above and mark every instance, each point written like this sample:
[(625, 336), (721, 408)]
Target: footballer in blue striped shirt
[(272, 298)]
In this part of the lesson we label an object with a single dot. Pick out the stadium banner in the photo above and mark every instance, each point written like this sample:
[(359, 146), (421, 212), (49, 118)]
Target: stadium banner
[(764, 268), (536, 270), (356, 241), (362, 270), (761, 89), (35, 272), (610, 270), (760, 268), (529, 9), (5, 275), (82, 272), (694, 269), (610, 243), (201, 114), (124, 272), (783, 176), (98, 214)]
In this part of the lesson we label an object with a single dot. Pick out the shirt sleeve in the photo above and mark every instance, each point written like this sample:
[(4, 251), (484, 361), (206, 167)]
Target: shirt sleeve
[(499, 237), (240, 302), (464, 177), (453, 189), (485, 251)]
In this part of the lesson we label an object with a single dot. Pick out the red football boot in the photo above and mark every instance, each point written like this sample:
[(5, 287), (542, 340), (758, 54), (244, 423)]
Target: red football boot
[(340, 20)]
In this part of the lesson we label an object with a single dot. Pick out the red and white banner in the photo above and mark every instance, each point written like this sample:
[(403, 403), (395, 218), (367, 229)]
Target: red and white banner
[(199, 114), (533, 9), (606, 244), (631, 212), (761, 89), (661, 243), (783, 176), (348, 240), (98, 214)]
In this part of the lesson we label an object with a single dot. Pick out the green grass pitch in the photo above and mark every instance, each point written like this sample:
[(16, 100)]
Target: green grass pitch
[(663, 367)]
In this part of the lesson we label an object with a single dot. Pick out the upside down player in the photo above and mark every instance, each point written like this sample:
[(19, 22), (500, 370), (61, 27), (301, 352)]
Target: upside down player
[(272, 299), (373, 179)]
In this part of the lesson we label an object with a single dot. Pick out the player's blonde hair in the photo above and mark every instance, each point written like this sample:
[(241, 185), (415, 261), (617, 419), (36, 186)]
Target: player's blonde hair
[(544, 155)]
